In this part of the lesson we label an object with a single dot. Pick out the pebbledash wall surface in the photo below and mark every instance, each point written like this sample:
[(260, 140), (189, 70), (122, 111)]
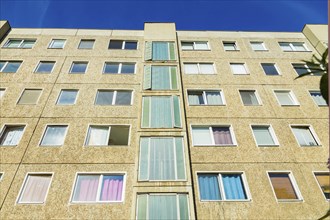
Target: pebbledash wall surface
[(161, 124)]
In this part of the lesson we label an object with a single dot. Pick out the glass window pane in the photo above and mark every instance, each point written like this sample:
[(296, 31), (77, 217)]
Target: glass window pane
[(249, 98), (238, 68), (161, 112), (222, 136), (269, 69), (299, 46), (300, 68), (285, 46), (2, 92), (11, 135), (78, 67), (262, 135), (123, 98), (116, 44), (2, 64), (86, 188), (112, 188), (209, 187), (206, 68), (57, 44), (201, 46), (201, 136), (97, 135), (30, 96), (304, 136), (11, 67), (284, 98), (67, 97), (282, 186), (319, 100), (13, 43), (35, 189), (54, 135), (163, 207), (104, 97), (257, 46), (229, 46), (119, 135), (196, 98), (160, 51), (160, 78), (191, 68), (45, 67), (323, 180), (130, 45), (233, 185), (187, 45), (213, 98), (111, 68), (86, 44), (28, 43), (128, 68)]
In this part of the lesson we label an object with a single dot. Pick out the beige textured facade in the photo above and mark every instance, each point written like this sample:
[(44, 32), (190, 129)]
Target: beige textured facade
[(279, 106)]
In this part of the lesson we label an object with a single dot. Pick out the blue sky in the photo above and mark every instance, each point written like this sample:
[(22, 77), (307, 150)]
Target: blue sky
[(243, 15)]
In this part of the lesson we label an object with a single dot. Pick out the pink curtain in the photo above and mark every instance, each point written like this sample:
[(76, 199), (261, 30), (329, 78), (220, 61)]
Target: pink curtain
[(35, 189), (112, 188), (87, 188), (222, 136)]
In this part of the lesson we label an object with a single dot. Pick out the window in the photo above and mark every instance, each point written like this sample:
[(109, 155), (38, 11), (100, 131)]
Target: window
[(160, 78), (199, 68), (293, 46), (305, 135), (2, 92), (106, 135), (45, 67), (9, 66), (195, 45), (57, 44), (270, 69), (323, 179), (113, 97), (86, 44), (264, 135), (29, 97), (35, 188), (123, 45), (1, 176), (159, 51), (239, 68), (318, 99), (119, 68), (20, 43), (94, 188), (205, 98), (286, 98), (162, 206), (258, 46), (284, 186), (54, 135), (11, 135), (221, 186), (161, 112), (301, 68), (229, 46), (213, 136), (249, 97), (67, 97), (78, 67), (161, 158)]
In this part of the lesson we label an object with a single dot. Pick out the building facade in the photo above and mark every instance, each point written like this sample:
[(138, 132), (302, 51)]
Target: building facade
[(161, 124)]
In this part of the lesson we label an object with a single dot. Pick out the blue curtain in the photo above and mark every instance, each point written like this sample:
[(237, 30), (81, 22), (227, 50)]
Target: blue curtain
[(160, 51), (209, 187), (233, 186)]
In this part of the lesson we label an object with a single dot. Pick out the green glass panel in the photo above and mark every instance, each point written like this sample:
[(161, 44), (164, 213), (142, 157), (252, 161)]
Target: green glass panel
[(144, 154), (148, 51), (142, 207), (146, 112), (183, 207), (147, 77), (174, 79), (172, 51), (179, 158), (176, 110)]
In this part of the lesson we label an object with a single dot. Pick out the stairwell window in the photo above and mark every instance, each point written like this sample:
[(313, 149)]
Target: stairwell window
[(159, 51), (222, 187), (107, 135), (160, 78), (222, 135)]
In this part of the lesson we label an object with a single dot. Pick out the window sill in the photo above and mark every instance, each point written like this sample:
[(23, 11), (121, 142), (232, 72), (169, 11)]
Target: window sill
[(296, 51), (8, 145), (208, 105), (225, 145), (162, 181), (272, 145), (289, 200), (261, 50), (308, 146), (238, 200), (293, 105), (196, 50), (89, 146), (93, 203), (16, 48)]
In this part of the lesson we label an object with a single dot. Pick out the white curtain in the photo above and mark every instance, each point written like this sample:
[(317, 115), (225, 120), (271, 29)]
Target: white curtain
[(12, 135), (304, 136), (238, 68), (206, 68), (98, 135), (35, 189), (201, 136), (191, 68), (213, 98)]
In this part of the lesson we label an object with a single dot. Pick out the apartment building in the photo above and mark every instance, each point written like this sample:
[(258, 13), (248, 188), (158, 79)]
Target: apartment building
[(161, 124)]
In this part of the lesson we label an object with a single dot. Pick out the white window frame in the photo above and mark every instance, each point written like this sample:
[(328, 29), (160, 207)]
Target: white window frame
[(275, 66), (120, 65), (231, 130), (10, 61), (222, 97), (318, 184), (311, 130), (247, 72), (78, 62), (51, 44), (108, 135), (293, 49), (101, 174), (291, 94), (294, 185), (236, 48), (44, 61), (19, 98), (199, 69), (194, 45), (306, 67), (114, 97), (3, 128), (44, 133), (23, 187), (271, 132), (86, 40), (250, 90), (221, 187), (59, 95), (20, 45), (260, 42), (310, 91)]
